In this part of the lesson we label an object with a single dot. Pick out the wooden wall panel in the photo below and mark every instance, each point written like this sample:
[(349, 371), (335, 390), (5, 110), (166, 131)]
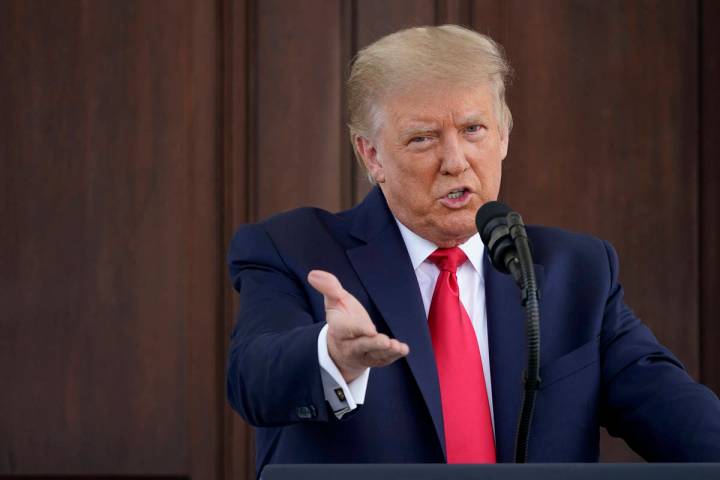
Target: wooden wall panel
[(110, 266), (709, 218), (237, 39), (298, 111), (491, 18), (605, 142), (457, 12), (204, 270), (296, 152)]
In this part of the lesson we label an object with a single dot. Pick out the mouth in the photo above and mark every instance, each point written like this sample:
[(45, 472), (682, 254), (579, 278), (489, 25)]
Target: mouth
[(456, 198)]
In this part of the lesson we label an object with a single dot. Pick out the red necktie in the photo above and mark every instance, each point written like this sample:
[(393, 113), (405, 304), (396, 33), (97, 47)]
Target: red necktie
[(466, 411)]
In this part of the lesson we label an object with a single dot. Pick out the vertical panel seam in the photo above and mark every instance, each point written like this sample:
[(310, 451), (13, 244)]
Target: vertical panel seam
[(346, 55), (224, 138), (700, 191), (354, 170), (251, 169), (251, 173)]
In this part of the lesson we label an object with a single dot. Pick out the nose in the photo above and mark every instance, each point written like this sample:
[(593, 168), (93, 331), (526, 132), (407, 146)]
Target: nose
[(453, 161)]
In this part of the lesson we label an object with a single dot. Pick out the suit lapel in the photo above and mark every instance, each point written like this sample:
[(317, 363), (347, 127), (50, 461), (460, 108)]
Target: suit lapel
[(385, 270), (508, 354)]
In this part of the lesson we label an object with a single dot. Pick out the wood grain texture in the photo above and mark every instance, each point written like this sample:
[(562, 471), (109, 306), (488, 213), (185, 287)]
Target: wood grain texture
[(203, 242), (710, 195), (605, 142), (238, 446), (457, 12), (348, 48), (298, 85), (109, 251)]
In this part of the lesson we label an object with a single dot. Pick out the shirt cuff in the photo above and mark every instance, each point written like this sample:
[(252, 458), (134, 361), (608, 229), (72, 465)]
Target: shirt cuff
[(341, 396)]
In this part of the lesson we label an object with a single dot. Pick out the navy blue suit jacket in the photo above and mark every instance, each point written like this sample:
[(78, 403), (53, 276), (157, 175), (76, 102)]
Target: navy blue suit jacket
[(601, 366)]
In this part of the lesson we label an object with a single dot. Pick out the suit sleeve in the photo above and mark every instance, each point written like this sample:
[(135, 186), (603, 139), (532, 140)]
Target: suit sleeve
[(273, 375), (648, 398)]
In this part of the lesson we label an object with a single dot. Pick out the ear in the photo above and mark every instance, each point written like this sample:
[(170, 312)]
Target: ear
[(369, 154), (504, 143)]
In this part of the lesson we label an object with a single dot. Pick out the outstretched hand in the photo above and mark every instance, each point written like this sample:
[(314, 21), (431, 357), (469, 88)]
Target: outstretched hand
[(354, 343)]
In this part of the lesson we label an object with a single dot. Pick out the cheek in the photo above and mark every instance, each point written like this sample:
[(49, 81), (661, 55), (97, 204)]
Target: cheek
[(414, 169), (413, 187), (488, 159)]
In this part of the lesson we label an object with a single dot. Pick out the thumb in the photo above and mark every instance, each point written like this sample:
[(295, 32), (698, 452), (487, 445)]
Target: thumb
[(354, 320), (327, 284)]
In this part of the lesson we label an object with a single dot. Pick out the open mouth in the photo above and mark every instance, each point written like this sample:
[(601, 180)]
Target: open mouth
[(456, 198), (455, 194)]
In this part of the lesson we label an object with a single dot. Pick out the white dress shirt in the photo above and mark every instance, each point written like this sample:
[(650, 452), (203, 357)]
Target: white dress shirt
[(344, 397)]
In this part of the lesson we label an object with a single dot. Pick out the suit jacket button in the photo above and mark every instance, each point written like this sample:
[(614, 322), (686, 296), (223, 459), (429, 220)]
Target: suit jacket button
[(306, 412)]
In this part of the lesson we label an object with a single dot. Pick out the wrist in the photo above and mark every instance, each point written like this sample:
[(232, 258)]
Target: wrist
[(351, 374), (348, 372)]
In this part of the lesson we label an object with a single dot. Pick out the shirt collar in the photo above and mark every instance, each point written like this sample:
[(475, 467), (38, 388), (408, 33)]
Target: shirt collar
[(420, 249)]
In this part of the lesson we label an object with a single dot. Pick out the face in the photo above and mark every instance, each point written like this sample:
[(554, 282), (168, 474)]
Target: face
[(437, 157)]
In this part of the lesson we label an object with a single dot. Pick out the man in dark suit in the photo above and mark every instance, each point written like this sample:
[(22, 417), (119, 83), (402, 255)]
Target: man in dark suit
[(412, 349)]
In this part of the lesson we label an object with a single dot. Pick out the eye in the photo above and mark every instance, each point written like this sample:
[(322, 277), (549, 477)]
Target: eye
[(419, 139), (474, 128)]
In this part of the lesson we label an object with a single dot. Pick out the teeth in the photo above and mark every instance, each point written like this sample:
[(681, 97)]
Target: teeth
[(456, 194)]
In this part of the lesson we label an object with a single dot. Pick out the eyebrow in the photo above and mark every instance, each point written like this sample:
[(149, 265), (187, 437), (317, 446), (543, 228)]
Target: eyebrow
[(419, 126), (477, 117)]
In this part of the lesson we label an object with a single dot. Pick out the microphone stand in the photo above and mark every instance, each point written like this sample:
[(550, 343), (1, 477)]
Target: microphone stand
[(523, 271)]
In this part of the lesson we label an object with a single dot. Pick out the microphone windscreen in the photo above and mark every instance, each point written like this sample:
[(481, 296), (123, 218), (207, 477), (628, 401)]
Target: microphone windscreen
[(486, 214)]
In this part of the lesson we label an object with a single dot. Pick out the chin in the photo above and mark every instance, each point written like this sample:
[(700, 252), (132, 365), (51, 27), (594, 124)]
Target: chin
[(462, 222), (456, 233)]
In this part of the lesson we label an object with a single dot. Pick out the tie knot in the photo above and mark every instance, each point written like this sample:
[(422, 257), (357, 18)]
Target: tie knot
[(448, 259)]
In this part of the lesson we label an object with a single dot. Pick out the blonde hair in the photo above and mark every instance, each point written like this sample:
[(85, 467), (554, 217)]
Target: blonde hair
[(448, 53)]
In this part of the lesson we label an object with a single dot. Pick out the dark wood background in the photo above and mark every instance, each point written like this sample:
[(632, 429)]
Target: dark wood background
[(135, 136)]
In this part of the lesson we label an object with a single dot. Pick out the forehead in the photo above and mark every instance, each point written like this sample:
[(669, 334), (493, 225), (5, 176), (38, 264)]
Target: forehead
[(421, 105)]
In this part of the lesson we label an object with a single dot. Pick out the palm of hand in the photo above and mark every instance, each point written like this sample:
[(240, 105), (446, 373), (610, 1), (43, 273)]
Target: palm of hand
[(353, 341)]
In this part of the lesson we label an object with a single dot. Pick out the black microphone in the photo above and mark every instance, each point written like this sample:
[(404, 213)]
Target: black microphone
[(503, 233), (491, 222)]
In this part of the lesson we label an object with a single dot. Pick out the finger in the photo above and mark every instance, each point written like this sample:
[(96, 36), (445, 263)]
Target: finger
[(345, 328), (378, 351), (403, 349), (395, 350), (381, 358), (327, 284), (353, 320), (378, 346), (361, 346), (354, 328)]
